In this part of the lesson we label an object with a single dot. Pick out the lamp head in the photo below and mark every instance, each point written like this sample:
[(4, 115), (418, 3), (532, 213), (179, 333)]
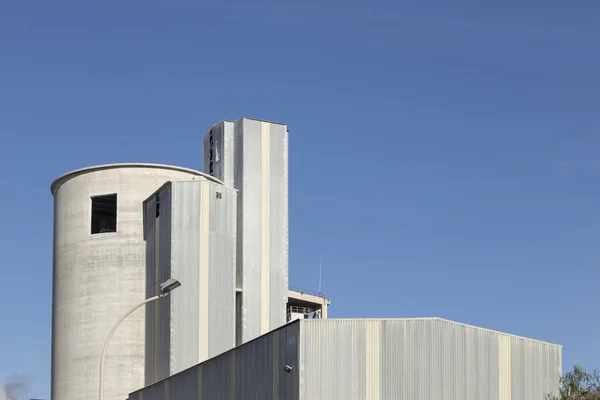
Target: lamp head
[(168, 286)]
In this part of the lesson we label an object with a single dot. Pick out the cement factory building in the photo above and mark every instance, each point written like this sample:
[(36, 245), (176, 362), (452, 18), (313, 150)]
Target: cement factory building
[(235, 329), (190, 233), (252, 157), (358, 359)]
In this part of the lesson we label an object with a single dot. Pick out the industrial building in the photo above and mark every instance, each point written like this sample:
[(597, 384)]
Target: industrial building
[(190, 234), (358, 359), (252, 157), (235, 329), (99, 271)]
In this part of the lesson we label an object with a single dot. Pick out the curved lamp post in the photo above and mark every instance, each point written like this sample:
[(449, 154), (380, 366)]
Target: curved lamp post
[(165, 288)]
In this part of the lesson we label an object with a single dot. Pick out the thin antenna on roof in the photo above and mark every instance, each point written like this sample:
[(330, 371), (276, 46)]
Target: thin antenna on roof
[(320, 272)]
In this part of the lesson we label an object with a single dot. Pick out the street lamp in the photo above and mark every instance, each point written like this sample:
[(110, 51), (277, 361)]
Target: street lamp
[(165, 288)]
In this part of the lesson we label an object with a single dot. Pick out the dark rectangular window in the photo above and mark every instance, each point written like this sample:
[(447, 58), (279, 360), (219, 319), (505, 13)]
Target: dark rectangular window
[(104, 213)]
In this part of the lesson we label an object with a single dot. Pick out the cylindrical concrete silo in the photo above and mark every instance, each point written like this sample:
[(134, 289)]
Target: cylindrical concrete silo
[(98, 274)]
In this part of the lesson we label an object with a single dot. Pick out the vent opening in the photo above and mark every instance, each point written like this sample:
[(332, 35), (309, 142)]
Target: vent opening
[(104, 214)]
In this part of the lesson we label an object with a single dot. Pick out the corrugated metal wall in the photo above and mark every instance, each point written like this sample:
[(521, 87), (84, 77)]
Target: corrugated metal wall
[(278, 225), (252, 155), (412, 359), (157, 225), (248, 180), (150, 239), (221, 273), (185, 266), (196, 245), (422, 359), (532, 362), (255, 370)]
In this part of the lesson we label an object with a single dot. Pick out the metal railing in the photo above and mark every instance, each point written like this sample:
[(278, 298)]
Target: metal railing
[(300, 310), (306, 291), (304, 312)]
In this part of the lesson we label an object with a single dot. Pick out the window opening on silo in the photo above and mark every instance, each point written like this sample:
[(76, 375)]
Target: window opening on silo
[(104, 214)]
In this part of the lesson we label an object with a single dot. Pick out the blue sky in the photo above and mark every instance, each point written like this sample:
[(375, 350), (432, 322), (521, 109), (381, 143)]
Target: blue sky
[(444, 158)]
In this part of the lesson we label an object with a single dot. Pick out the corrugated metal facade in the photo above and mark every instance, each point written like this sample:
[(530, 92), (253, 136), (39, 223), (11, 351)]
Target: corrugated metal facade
[(190, 236), (422, 359), (252, 156), (255, 370), (402, 359)]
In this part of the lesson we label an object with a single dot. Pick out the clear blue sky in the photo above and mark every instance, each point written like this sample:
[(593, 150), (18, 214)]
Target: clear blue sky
[(444, 158)]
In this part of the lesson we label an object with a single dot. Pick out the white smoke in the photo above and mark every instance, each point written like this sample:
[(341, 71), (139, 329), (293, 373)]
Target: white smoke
[(15, 388)]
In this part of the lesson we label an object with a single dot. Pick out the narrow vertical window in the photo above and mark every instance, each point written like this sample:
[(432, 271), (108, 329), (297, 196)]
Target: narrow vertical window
[(211, 154), (104, 214)]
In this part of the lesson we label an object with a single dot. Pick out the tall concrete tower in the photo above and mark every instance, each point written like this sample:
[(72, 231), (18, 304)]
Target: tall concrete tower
[(190, 233), (252, 156), (98, 274)]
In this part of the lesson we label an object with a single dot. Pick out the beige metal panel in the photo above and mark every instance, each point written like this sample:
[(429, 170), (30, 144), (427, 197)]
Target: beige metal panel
[(504, 368), (265, 240), (373, 360), (96, 278), (278, 224)]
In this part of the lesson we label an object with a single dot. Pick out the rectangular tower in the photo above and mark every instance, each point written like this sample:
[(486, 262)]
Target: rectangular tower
[(252, 156), (190, 234)]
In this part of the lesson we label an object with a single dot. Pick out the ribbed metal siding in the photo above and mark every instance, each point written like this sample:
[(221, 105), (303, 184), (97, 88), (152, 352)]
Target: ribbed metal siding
[(254, 370), (535, 368), (222, 259), (253, 156), (278, 221), (420, 359), (249, 166), (185, 267), (196, 245), (158, 254), (163, 330), (149, 238), (332, 360), (203, 309)]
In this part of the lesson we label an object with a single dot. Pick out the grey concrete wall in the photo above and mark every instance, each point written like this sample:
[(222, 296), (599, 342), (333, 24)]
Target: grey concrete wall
[(96, 278)]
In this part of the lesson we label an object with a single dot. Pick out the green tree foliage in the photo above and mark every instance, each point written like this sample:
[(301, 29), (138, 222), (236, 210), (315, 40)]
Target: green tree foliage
[(579, 385)]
